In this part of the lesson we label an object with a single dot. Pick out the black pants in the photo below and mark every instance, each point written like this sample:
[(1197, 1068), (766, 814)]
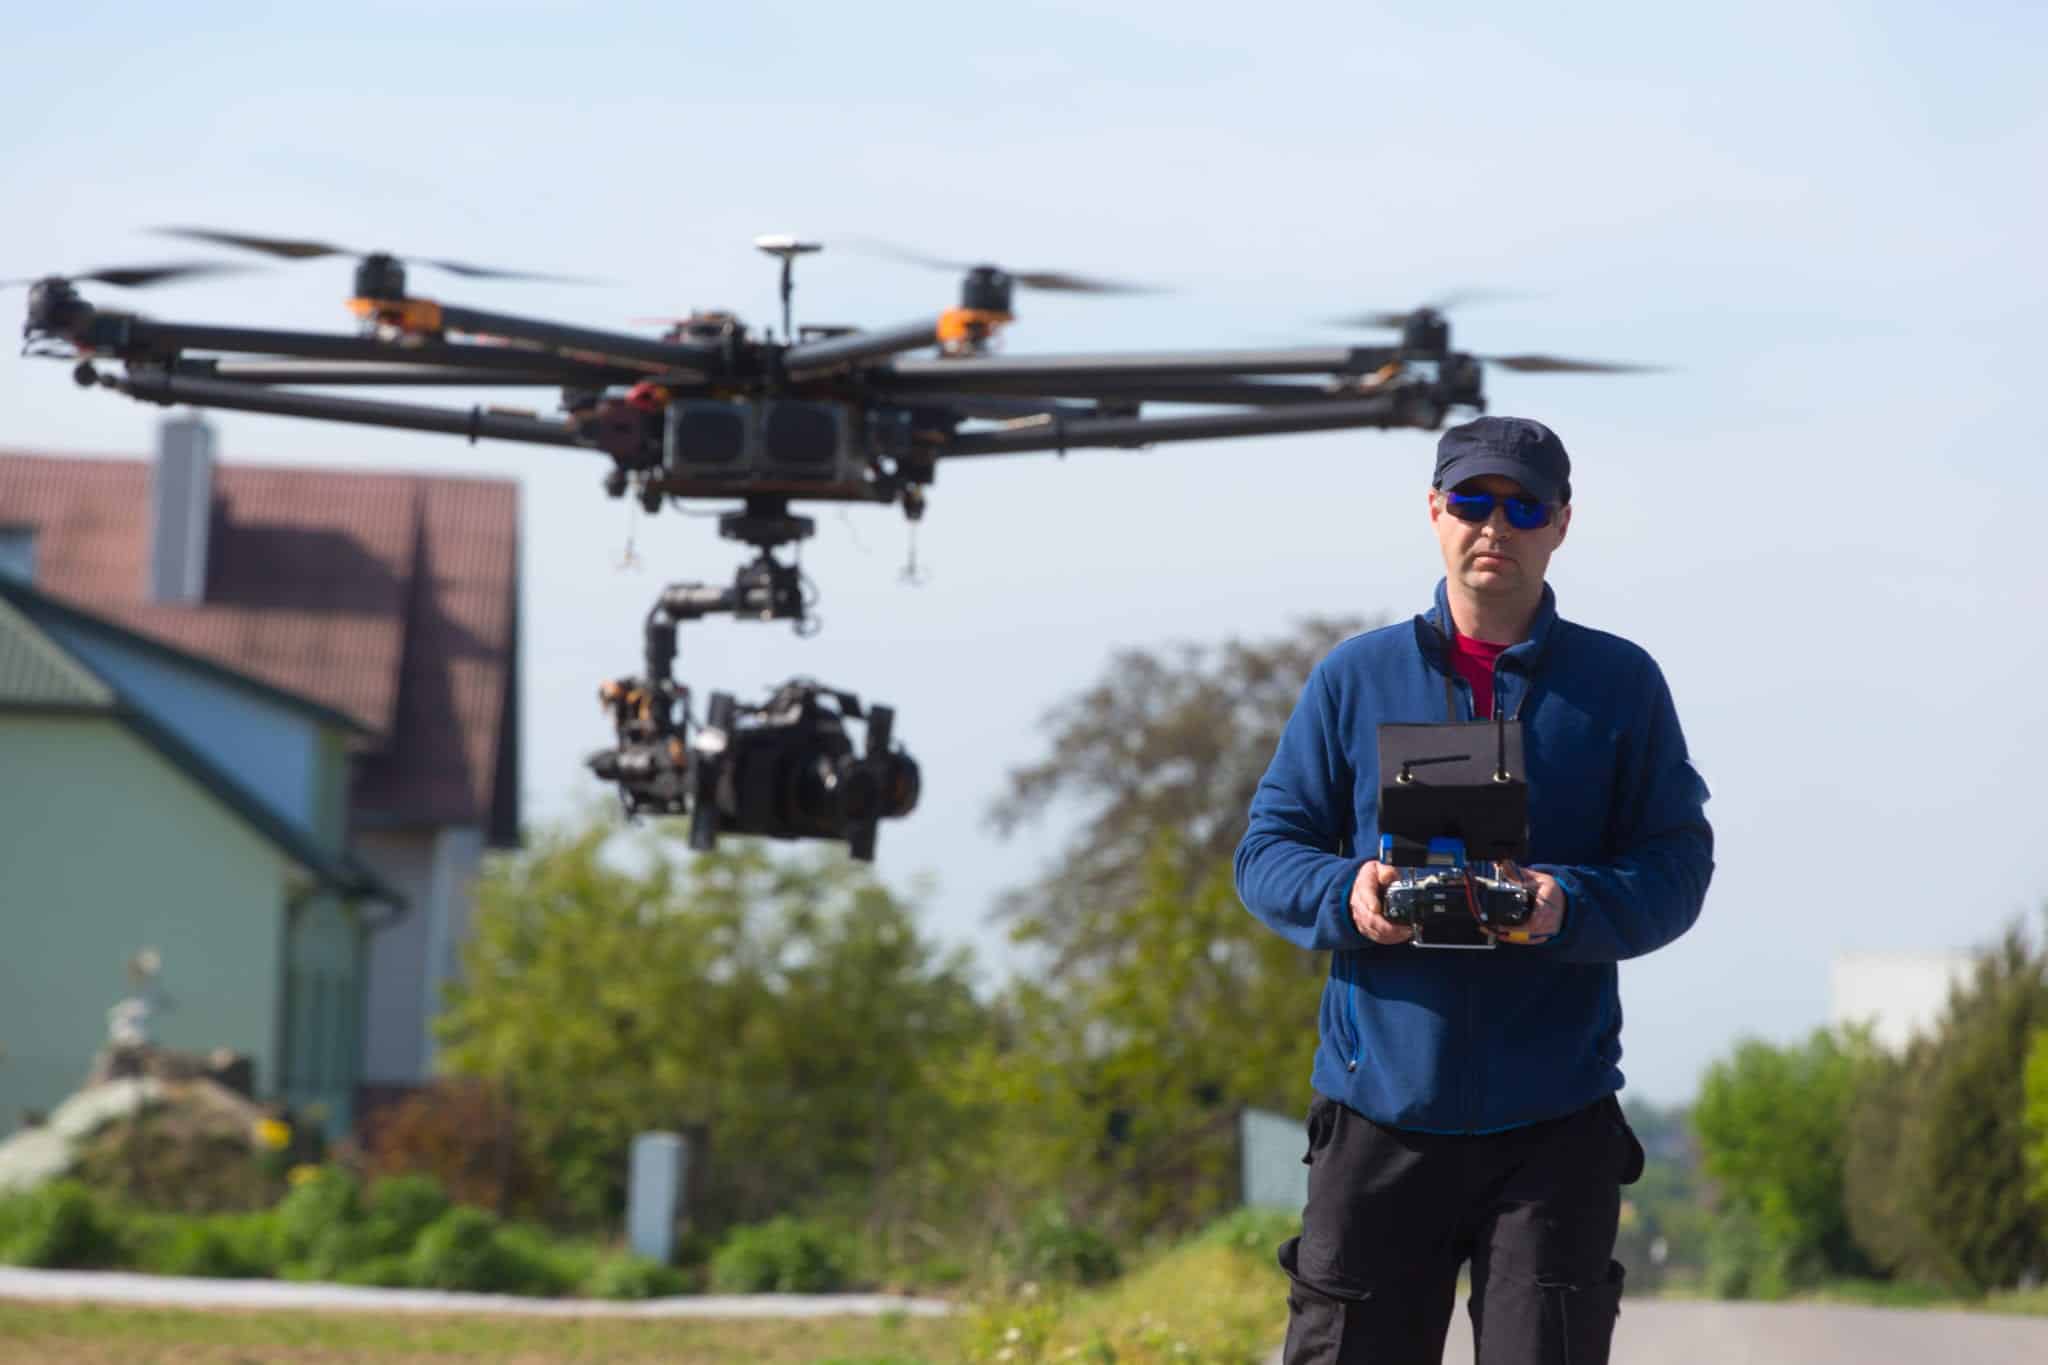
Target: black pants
[(1393, 1214)]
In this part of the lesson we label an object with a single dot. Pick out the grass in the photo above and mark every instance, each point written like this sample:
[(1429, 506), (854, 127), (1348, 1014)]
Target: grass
[(33, 1334), (1218, 1299), (1907, 1294), (1892, 1294), (1215, 1300), (2030, 1301)]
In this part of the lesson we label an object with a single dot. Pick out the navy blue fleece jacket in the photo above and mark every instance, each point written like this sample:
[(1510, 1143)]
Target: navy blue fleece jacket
[(1465, 1042)]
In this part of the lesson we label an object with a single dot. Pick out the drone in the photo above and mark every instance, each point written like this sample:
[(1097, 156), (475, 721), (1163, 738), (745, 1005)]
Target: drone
[(713, 409)]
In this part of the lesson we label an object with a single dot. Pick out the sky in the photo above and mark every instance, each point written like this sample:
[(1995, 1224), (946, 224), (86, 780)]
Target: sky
[(1823, 519)]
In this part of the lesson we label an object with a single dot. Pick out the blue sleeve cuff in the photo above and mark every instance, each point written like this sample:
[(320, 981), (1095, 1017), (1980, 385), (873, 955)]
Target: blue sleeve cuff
[(1569, 883), (1346, 930)]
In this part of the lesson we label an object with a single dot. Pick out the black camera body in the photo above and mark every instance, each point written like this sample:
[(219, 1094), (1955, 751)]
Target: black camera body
[(1454, 821), (788, 768)]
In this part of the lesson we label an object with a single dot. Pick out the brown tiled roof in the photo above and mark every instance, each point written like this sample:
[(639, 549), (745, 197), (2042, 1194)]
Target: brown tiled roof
[(391, 598)]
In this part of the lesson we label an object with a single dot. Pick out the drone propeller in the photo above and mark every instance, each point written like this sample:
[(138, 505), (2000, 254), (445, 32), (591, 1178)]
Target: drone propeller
[(1048, 281), (139, 276), (1550, 364), (1442, 303), (297, 249), (1424, 327)]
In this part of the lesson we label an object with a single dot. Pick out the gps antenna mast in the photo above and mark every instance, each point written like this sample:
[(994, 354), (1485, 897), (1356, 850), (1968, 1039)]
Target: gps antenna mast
[(788, 248)]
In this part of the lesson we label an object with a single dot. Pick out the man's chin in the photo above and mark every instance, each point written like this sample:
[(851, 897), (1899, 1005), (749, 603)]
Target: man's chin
[(1495, 576)]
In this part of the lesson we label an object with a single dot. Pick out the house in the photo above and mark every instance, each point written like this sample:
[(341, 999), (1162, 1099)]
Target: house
[(150, 798), (381, 609)]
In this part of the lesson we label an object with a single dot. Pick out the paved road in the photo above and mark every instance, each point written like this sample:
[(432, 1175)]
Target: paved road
[(107, 1286), (1703, 1332)]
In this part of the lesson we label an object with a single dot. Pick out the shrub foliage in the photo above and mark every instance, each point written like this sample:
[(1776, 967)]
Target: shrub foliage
[(1938, 1169), (1771, 1123), (781, 1256)]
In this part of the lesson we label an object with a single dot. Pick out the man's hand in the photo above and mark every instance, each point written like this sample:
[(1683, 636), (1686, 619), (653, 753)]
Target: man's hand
[(1546, 915), (1366, 890)]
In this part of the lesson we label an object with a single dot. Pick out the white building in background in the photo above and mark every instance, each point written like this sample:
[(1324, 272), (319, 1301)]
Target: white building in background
[(1899, 995), (389, 602)]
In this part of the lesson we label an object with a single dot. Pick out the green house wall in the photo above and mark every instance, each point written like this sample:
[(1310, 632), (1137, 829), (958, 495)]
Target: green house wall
[(106, 848)]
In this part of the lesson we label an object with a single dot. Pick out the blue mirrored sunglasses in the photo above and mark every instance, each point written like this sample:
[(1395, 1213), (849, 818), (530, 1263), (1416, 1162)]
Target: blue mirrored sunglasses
[(1524, 514)]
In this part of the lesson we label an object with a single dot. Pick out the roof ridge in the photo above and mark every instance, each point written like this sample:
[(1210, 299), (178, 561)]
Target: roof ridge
[(240, 465), (317, 585), (22, 598)]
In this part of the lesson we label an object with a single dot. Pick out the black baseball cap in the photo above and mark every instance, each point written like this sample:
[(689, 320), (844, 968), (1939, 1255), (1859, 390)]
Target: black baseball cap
[(1524, 450)]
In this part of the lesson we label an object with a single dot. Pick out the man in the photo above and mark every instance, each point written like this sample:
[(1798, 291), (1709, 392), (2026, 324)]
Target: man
[(1465, 1100)]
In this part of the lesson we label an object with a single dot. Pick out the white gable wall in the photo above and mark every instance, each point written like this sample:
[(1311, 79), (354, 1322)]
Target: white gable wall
[(271, 749)]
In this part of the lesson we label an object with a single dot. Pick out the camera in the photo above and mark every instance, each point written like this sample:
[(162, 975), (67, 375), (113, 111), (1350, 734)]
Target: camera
[(786, 768)]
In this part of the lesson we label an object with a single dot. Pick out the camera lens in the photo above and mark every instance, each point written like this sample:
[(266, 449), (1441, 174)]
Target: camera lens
[(901, 784)]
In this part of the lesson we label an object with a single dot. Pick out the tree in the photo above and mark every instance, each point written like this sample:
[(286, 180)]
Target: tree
[(1771, 1124), (1886, 1113), (1938, 1155), (785, 1006), (1168, 740), (1971, 1156), (1119, 1094), (1664, 1220), (2035, 1087)]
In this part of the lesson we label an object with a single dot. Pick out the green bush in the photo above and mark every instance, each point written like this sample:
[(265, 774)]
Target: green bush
[(1258, 1231), (1742, 1260), (460, 1250), (399, 1208), (379, 1272), (226, 1247), (1772, 1123), (469, 1249), (319, 1225), (781, 1256), (544, 1264), (59, 1225), (253, 1237), (634, 1277), (236, 1246), (1052, 1246), (935, 1272)]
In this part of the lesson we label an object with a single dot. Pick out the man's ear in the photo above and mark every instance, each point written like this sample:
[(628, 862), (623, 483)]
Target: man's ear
[(1564, 522), (1435, 510)]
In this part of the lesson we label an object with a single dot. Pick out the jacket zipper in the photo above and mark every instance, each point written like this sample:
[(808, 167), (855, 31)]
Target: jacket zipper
[(1468, 1103)]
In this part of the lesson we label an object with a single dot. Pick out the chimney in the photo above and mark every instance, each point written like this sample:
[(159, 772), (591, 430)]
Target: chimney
[(180, 509)]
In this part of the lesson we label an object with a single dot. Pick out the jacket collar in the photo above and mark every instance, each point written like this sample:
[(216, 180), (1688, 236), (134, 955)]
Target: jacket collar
[(1526, 655)]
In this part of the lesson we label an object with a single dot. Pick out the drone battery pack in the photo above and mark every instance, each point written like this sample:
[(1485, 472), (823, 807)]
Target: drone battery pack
[(1463, 781)]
